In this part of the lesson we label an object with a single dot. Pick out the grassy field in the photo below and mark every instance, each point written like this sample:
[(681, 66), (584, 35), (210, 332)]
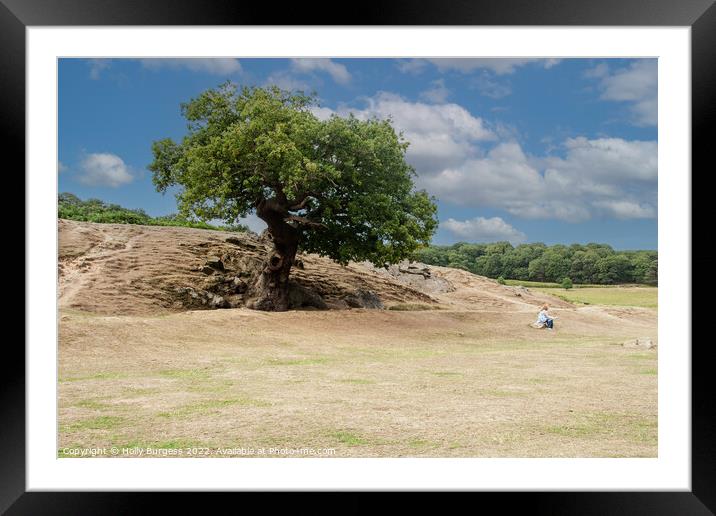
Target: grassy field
[(608, 295), (546, 284), (646, 297), (357, 383)]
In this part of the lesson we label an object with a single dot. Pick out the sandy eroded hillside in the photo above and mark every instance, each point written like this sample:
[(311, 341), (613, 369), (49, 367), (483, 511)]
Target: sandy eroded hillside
[(131, 269)]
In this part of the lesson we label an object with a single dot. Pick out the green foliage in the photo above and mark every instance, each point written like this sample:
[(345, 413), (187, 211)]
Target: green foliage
[(501, 280), (93, 210), (342, 183), (567, 283), (581, 264)]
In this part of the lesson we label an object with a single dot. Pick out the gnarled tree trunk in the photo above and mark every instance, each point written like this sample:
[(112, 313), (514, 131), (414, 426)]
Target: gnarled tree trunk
[(270, 290)]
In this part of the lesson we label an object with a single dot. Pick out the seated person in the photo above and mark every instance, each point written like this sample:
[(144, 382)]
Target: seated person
[(543, 318)]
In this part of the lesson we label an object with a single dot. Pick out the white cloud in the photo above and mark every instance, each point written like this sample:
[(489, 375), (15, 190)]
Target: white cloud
[(632, 83), (635, 84), (97, 66), (437, 93), (338, 72), (411, 66), (440, 135), (481, 229), (213, 66), (61, 167), (599, 71), (104, 169), (497, 65), (324, 113), (625, 209), (286, 81), (603, 177), (503, 178), (550, 63), (490, 87), (612, 159)]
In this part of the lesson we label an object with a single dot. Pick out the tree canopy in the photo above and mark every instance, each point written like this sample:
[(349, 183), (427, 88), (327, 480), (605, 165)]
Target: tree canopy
[(345, 179), (590, 263), (339, 187)]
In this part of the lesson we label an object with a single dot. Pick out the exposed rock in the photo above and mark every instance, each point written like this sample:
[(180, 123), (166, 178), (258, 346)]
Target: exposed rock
[(218, 302), (518, 290), (301, 297), (240, 285), (207, 270), (215, 263), (194, 298), (362, 298), (337, 304), (213, 281), (418, 276), (413, 269), (245, 242)]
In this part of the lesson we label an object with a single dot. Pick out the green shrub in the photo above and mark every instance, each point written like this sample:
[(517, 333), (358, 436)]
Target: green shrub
[(567, 283), (501, 280), (93, 210)]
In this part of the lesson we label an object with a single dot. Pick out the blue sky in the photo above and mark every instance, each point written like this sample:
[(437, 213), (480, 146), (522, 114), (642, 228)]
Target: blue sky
[(525, 150)]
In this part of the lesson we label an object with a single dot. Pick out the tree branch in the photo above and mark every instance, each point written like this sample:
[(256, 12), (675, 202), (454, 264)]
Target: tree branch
[(280, 196), (300, 202), (304, 220)]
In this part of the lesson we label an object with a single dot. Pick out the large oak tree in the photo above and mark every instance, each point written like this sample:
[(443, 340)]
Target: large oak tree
[(338, 187)]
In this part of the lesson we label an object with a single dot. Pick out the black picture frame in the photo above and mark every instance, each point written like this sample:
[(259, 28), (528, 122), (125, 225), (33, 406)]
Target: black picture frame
[(700, 15)]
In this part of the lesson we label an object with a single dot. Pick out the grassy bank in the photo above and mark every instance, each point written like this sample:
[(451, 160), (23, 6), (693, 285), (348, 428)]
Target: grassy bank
[(545, 284), (646, 297)]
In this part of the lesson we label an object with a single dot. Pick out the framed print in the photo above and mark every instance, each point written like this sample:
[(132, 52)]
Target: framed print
[(417, 252)]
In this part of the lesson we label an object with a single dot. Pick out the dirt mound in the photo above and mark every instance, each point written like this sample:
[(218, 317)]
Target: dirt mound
[(132, 269)]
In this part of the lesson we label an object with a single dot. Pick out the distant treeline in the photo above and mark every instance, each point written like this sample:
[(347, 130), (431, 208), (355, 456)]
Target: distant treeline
[(93, 210), (590, 263)]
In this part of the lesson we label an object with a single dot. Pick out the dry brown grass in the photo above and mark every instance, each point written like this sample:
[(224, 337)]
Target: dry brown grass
[(453, 370), (365, 383)]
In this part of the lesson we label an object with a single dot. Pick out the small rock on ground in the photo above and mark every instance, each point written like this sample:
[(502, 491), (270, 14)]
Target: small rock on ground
[(641, 342)]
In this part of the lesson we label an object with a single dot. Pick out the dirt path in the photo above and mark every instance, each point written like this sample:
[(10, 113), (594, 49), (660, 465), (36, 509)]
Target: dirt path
[(79, 273)]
